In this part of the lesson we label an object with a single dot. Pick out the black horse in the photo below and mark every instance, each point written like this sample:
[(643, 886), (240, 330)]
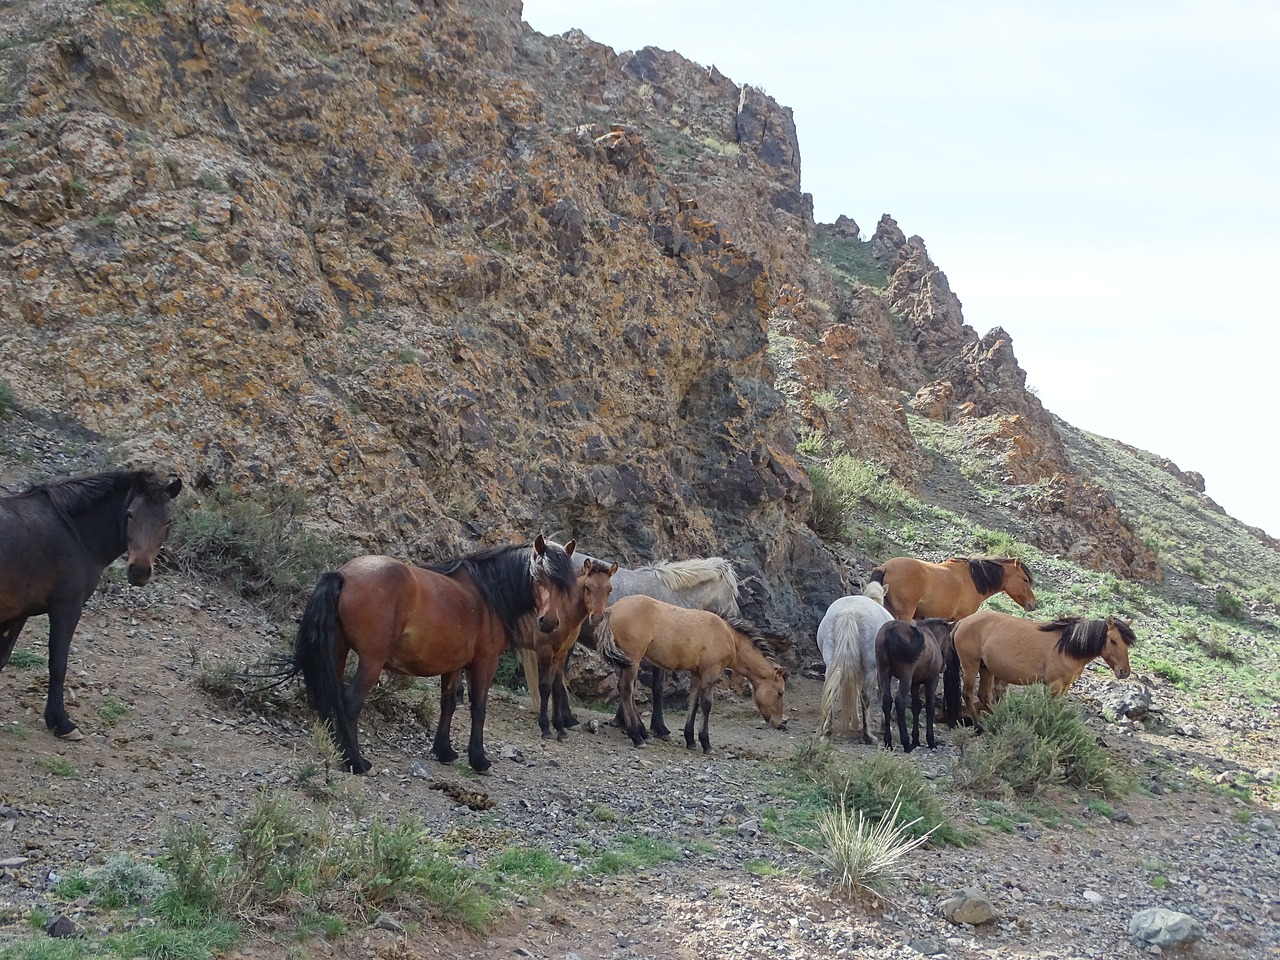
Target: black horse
[(913, 651), (55, 541)]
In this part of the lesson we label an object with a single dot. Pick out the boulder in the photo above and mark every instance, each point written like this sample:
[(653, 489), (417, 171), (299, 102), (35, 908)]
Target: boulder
[(1161, 927)]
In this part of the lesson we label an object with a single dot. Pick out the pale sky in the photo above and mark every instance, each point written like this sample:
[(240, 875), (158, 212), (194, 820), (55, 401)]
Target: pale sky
[(1100, 179)]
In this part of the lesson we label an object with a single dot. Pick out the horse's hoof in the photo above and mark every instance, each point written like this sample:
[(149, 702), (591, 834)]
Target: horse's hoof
[(666, 737), (547, 735), (481, 764), (562, 736), (73, 734), (571, 721), (446, 756), (638, 744)]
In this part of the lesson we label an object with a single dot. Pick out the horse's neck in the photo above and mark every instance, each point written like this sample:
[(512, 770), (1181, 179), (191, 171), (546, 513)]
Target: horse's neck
[(101, 528), (747, 658)]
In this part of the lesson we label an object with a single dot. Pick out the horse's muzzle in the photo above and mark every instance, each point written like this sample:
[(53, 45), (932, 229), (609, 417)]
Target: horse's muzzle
[(1122, 674), (548, 624), (138, 575)]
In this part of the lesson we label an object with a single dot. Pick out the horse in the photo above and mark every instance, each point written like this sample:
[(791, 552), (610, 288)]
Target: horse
[(57, 539), (424, 621), (705, 583), (915, 589), (912, 651), (704, 643), (993, 646), (551, 650), (847, 640)]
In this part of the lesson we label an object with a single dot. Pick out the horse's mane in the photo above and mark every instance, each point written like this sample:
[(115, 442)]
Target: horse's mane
[(1084, 639), (74, 495), (681, 574), (988, 572), (502, 575), (755, 635)]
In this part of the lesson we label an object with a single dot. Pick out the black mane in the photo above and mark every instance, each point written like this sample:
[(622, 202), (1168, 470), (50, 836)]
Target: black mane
[(505, 576), (988, 573), (754, 634), (1084, 639), (74, 495)]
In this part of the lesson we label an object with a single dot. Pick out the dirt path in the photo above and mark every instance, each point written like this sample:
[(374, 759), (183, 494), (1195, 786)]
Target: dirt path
[(158, 748)]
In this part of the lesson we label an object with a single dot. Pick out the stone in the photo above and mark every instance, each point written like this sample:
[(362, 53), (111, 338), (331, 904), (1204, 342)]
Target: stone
[(969, 906), (62, 926), (750, 829), (1161, 927), (1131, 700), (386, 921)]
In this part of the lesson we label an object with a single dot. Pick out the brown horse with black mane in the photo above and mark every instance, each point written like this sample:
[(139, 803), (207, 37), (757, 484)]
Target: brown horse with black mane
[(424, 621), (55, 541), (916, 589), (994, 646)]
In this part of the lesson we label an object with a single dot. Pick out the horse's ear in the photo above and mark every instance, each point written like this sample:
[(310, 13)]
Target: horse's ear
[(1111, 621), (174, 486), (613, 570), (568, 547), (539, 545), (780, 673)]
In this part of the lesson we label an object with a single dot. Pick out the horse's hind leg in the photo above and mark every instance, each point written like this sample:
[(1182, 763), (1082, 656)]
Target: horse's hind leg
[(627, 706), (886, 705), (656, 722), (900, 705), (9, 631), (441, 746), (695, 691), (353, 697), (917, 692), (704, 700)]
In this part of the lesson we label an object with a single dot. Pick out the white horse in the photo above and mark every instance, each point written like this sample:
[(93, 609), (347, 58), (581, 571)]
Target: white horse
[(847, 639)]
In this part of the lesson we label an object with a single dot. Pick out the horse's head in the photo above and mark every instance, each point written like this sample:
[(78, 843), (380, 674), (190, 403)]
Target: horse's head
[(767, 692), (1017, 584), (1115, 651), (553, 582), (148, 516), (596, 583)]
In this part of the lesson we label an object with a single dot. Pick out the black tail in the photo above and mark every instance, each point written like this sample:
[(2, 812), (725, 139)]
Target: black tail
[(951, 681), (313, 658)]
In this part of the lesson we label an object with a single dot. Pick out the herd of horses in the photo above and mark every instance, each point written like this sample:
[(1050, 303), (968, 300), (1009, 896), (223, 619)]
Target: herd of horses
[(914, 622)]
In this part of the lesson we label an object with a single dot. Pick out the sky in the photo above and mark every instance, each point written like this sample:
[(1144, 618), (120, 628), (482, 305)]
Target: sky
[(1100, 179)]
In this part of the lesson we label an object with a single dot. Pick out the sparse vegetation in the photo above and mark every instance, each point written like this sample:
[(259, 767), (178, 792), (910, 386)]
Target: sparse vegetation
[(6, 400), (864, 854)]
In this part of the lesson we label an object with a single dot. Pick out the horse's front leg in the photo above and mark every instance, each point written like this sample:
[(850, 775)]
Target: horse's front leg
[(9, 631), (561, 714), (480, 677), (545, 689), (63, 618), (658, 687), (441, 746), (931, 693)]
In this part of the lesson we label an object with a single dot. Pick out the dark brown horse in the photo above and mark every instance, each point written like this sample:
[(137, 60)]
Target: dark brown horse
[(55, 541), (955, 588), (913, 653), (551, 650), (424, 621)]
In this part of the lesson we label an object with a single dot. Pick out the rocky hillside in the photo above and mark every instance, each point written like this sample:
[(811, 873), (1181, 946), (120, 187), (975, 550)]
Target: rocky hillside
[(457, 282)]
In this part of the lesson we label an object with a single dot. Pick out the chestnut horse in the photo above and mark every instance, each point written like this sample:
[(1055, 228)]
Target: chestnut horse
[(551, 650), (994, 646), (847, 641), (704, 643), (424, 621), (913, 652), (55, 541), (915, 589)]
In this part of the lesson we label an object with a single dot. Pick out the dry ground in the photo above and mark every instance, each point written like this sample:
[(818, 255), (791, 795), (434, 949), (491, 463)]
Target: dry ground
[(157, 748)]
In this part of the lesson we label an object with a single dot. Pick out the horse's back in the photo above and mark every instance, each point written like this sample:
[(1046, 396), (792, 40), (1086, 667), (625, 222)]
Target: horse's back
[(676, 638), (849, 628)]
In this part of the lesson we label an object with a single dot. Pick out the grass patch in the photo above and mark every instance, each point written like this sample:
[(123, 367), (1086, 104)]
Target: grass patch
[(634, 852), (26, 660), (6, 400), (528, 868), (864, 854), (58, 766), (256, 541), (1032, 741), (850, 260), (843, 485)]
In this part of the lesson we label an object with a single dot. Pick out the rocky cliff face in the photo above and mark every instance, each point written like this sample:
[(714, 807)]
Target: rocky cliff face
[(457, 281)]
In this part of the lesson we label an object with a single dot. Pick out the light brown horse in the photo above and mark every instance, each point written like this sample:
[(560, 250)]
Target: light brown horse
[(675, 638), (551, 650), (916, 589), (425, 622), (994, 646)]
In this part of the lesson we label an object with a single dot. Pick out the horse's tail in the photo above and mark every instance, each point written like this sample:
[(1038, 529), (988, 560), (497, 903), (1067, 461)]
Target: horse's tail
[(845, 678), (875, 589), (529, 658), (951, 680), (838, 687), (313, 657), (608, 646)]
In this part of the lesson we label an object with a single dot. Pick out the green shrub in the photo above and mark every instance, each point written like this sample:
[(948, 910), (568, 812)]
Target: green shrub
[(1228, 604), (1032, 741), (864, 855), (255, 541), (885, 780), (845, 484), (6, 400)]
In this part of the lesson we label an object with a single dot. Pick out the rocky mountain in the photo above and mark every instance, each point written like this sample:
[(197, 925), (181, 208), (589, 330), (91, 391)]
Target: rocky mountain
[(458, 283)]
